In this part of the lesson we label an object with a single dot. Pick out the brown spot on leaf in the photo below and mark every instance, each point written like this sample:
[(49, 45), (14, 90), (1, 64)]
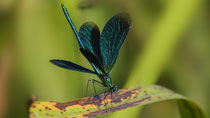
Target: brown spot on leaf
[(33, 106), (100, 100), (116, 108), (47, 108), (47, 114)]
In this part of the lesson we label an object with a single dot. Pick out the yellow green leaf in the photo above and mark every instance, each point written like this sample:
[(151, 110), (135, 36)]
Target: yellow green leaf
[(108, 103)]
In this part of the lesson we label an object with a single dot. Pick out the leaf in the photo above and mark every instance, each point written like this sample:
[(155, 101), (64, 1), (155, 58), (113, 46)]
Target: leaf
[(188, 109), (125, 98)]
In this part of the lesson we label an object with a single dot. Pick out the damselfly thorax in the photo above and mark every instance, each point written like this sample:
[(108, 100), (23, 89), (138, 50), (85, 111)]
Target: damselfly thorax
[(106, 79)]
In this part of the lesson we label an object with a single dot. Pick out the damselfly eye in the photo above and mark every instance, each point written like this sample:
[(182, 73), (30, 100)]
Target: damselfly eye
[(115, 89)]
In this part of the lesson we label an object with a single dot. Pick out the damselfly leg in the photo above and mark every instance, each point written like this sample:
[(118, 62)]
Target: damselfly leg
[(93, 82)]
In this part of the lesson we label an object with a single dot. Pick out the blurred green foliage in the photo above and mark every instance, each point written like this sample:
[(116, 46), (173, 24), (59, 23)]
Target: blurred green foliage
[(168, 43)]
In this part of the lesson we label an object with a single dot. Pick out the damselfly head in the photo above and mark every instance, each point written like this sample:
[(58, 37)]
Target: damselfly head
[(114, 89)]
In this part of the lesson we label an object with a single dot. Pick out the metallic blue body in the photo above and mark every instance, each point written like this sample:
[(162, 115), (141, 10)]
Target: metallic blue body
[(101, 50)]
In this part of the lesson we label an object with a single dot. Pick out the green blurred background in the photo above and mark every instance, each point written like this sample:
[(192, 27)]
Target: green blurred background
[(168, 44)]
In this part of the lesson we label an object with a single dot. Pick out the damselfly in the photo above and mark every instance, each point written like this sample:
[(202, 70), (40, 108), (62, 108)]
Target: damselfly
[(101, 50)]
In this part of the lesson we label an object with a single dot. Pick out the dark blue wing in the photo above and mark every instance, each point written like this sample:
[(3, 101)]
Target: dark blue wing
[(88, 38), (92, 59), (71, 66), (112, 37), (89, 35)]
